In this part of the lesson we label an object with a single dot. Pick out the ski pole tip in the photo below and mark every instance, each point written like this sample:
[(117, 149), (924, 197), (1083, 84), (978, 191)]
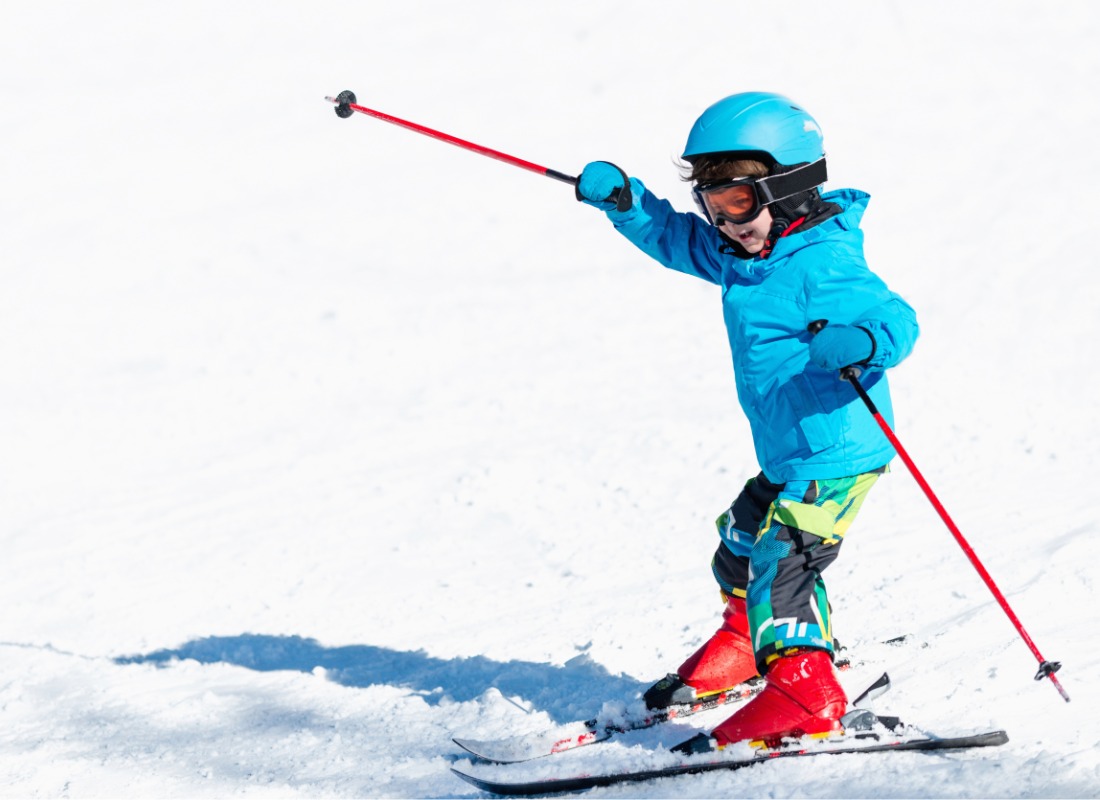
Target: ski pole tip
[(1058, 686)]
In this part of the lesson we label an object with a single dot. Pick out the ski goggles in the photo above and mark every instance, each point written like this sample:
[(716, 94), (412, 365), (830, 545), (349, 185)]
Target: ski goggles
[(736, 201), (740, 200)]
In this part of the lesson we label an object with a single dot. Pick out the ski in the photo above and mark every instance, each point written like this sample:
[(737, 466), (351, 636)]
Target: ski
[(572, 735), (724, 760)]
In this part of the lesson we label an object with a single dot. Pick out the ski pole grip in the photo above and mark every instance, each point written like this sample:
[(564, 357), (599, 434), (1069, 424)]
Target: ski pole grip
[(849, 373), (622, 197)]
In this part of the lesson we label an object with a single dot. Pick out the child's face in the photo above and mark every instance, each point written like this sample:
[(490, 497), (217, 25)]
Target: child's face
[(750, 235)]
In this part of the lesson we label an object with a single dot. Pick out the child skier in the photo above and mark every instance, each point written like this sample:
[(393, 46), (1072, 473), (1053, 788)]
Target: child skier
[(784, 256)]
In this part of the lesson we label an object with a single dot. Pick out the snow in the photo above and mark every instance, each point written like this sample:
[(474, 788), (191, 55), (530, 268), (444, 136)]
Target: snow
[(323, 442)]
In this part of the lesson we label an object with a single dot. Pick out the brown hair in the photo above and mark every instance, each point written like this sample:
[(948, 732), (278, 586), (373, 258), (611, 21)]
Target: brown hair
[(719, 167)]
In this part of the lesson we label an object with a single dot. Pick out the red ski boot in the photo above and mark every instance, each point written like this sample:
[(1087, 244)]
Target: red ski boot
[(723, 662), (802, 696)]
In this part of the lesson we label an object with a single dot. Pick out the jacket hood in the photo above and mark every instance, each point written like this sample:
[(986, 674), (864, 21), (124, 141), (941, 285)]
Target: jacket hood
[(852, 204)]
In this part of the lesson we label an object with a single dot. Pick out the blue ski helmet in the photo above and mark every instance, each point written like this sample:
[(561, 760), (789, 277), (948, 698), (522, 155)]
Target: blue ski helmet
[(757, 122)]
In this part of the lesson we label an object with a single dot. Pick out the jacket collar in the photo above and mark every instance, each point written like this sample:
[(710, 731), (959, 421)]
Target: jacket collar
[(852, 204)]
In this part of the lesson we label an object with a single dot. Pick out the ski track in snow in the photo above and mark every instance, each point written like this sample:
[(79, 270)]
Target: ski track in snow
[(324, 442)]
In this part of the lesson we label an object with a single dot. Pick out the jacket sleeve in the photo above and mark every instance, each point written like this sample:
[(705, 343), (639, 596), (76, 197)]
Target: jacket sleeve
[(683, 242), (844, 291)]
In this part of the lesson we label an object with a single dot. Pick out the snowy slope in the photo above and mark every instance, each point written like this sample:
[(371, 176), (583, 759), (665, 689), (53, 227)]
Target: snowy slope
[(323, 441)]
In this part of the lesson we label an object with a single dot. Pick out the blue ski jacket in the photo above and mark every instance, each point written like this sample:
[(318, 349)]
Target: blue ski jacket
[(807, 424)]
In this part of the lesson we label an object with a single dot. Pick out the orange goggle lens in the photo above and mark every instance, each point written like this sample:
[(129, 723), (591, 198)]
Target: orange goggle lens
[(737, 203)]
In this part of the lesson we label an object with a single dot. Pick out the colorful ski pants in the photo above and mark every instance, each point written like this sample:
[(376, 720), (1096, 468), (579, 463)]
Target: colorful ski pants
[(777, 539)]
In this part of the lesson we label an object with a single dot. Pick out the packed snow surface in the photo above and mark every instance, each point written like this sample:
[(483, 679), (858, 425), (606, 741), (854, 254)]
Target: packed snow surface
[(323, 442)]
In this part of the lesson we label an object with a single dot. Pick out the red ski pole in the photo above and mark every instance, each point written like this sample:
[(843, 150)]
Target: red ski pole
[(1046, 668), (346, 105)]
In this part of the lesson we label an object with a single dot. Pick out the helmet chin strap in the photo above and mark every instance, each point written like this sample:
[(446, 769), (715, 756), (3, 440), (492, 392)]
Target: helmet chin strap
[(780, 228), (788, 214)]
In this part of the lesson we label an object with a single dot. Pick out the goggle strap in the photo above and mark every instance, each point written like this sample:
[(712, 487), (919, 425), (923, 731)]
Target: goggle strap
[(801, 179)]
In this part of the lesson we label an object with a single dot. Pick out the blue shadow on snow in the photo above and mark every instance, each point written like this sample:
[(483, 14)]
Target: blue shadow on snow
[(577, 689)]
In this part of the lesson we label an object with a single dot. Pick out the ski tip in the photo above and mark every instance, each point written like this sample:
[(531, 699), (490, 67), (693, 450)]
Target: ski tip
[(466, 777), (492, 752), (469, 745), (493, 787)]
